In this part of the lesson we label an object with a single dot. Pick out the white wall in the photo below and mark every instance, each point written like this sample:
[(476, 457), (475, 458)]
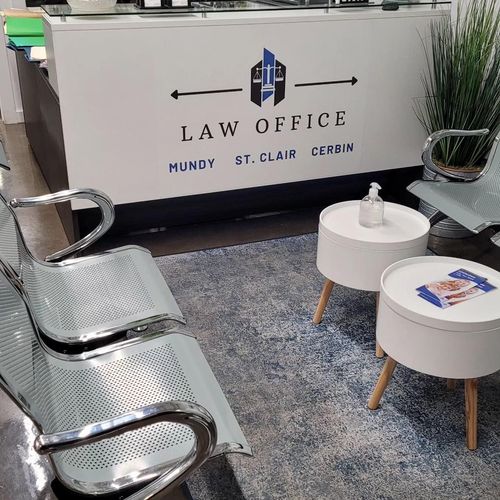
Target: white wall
[(10, 97), (464, 3)]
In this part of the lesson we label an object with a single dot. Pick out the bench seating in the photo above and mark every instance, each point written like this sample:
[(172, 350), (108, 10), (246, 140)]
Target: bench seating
[(147, 411), (81, 302)]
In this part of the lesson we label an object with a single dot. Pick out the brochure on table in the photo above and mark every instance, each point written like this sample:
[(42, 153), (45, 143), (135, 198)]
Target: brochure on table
[(461, 285)]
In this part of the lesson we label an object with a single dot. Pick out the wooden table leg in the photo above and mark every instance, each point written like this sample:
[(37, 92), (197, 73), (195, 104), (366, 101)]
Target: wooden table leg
[(379, 352), (382, 383), (471, 412), (451, 384), (323, 300)]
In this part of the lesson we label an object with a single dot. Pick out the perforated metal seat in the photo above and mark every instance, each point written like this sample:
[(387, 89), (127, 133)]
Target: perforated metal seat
[(84, 300), (473, 203), (146, 402), (109, 292)]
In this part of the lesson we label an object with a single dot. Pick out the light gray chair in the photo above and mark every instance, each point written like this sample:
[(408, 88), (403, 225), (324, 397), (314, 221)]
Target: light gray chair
[(84, 301), (472, 202), (148, 412)]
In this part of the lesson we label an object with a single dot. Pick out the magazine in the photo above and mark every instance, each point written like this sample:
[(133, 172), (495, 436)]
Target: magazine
[(463, 285)]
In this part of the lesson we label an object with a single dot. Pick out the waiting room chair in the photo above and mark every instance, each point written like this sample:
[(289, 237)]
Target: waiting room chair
[(472, 202), (84, 301), (145, 413)]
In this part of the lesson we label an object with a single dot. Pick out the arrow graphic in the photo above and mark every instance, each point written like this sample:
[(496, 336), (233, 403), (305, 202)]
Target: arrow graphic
[(352, 81), (176, 94)]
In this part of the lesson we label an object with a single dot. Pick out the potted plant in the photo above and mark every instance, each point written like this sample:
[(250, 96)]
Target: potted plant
[(462, 90)]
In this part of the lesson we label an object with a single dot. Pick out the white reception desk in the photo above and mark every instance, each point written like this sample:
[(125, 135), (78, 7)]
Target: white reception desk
[(158, 107)]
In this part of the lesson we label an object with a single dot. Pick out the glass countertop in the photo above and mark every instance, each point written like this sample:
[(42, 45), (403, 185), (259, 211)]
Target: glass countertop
[(206, 7)]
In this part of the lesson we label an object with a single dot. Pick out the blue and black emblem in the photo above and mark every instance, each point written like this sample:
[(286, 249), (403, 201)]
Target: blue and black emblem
[(268, 79)]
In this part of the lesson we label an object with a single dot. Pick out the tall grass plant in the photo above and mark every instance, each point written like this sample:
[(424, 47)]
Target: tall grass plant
[(462, 82)]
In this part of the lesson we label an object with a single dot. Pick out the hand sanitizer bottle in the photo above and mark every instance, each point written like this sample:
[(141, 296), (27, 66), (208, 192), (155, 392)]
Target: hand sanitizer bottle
[(371, 208)]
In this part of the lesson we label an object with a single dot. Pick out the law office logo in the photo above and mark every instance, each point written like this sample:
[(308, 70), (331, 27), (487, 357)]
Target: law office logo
[(268, 79)]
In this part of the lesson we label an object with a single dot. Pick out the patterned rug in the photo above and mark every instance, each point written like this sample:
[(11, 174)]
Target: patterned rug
[(299, 391)]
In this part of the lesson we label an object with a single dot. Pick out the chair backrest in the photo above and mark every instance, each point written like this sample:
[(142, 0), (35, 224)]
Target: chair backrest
[(16, 262), (22, 360), (11, 244), (20, 353), (491, 170)]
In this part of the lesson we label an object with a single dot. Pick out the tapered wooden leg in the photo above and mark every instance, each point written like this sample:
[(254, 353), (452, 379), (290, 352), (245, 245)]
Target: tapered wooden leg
[(451, 384), (471, 412), (382, 383), (323, 300), (379, 352)]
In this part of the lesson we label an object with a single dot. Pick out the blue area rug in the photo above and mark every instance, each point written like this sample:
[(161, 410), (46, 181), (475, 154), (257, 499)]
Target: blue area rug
[(299, 391)]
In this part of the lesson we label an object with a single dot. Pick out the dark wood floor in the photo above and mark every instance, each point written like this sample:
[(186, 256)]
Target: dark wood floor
[(194, 237), (478, 248), (234, 232)]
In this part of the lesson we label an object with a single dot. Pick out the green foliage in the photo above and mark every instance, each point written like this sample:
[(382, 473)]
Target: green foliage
[(462, 86)]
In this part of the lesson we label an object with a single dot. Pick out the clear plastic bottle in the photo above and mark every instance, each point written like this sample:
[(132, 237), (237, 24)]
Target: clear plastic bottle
[(371, 208)]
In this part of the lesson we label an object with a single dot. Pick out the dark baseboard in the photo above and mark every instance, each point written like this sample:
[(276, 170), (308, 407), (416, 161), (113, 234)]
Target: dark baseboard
[(228, 205)]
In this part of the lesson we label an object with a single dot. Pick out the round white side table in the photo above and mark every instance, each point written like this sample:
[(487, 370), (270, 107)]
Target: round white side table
[(356, 256), (459, 342)]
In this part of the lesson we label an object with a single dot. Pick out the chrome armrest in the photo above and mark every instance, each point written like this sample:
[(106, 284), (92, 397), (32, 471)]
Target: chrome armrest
[(495, 239), (433, 139), (180, 412), (99, 198)]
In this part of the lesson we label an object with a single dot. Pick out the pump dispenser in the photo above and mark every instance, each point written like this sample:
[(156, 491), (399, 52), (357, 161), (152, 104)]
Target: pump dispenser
[(371, 208)]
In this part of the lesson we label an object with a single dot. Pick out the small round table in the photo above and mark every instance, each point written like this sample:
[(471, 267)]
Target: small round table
[(356, 256), (458, 342)]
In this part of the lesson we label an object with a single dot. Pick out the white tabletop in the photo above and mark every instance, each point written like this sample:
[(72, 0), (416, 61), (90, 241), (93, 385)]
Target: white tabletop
[(399, 283), (402, 225)]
